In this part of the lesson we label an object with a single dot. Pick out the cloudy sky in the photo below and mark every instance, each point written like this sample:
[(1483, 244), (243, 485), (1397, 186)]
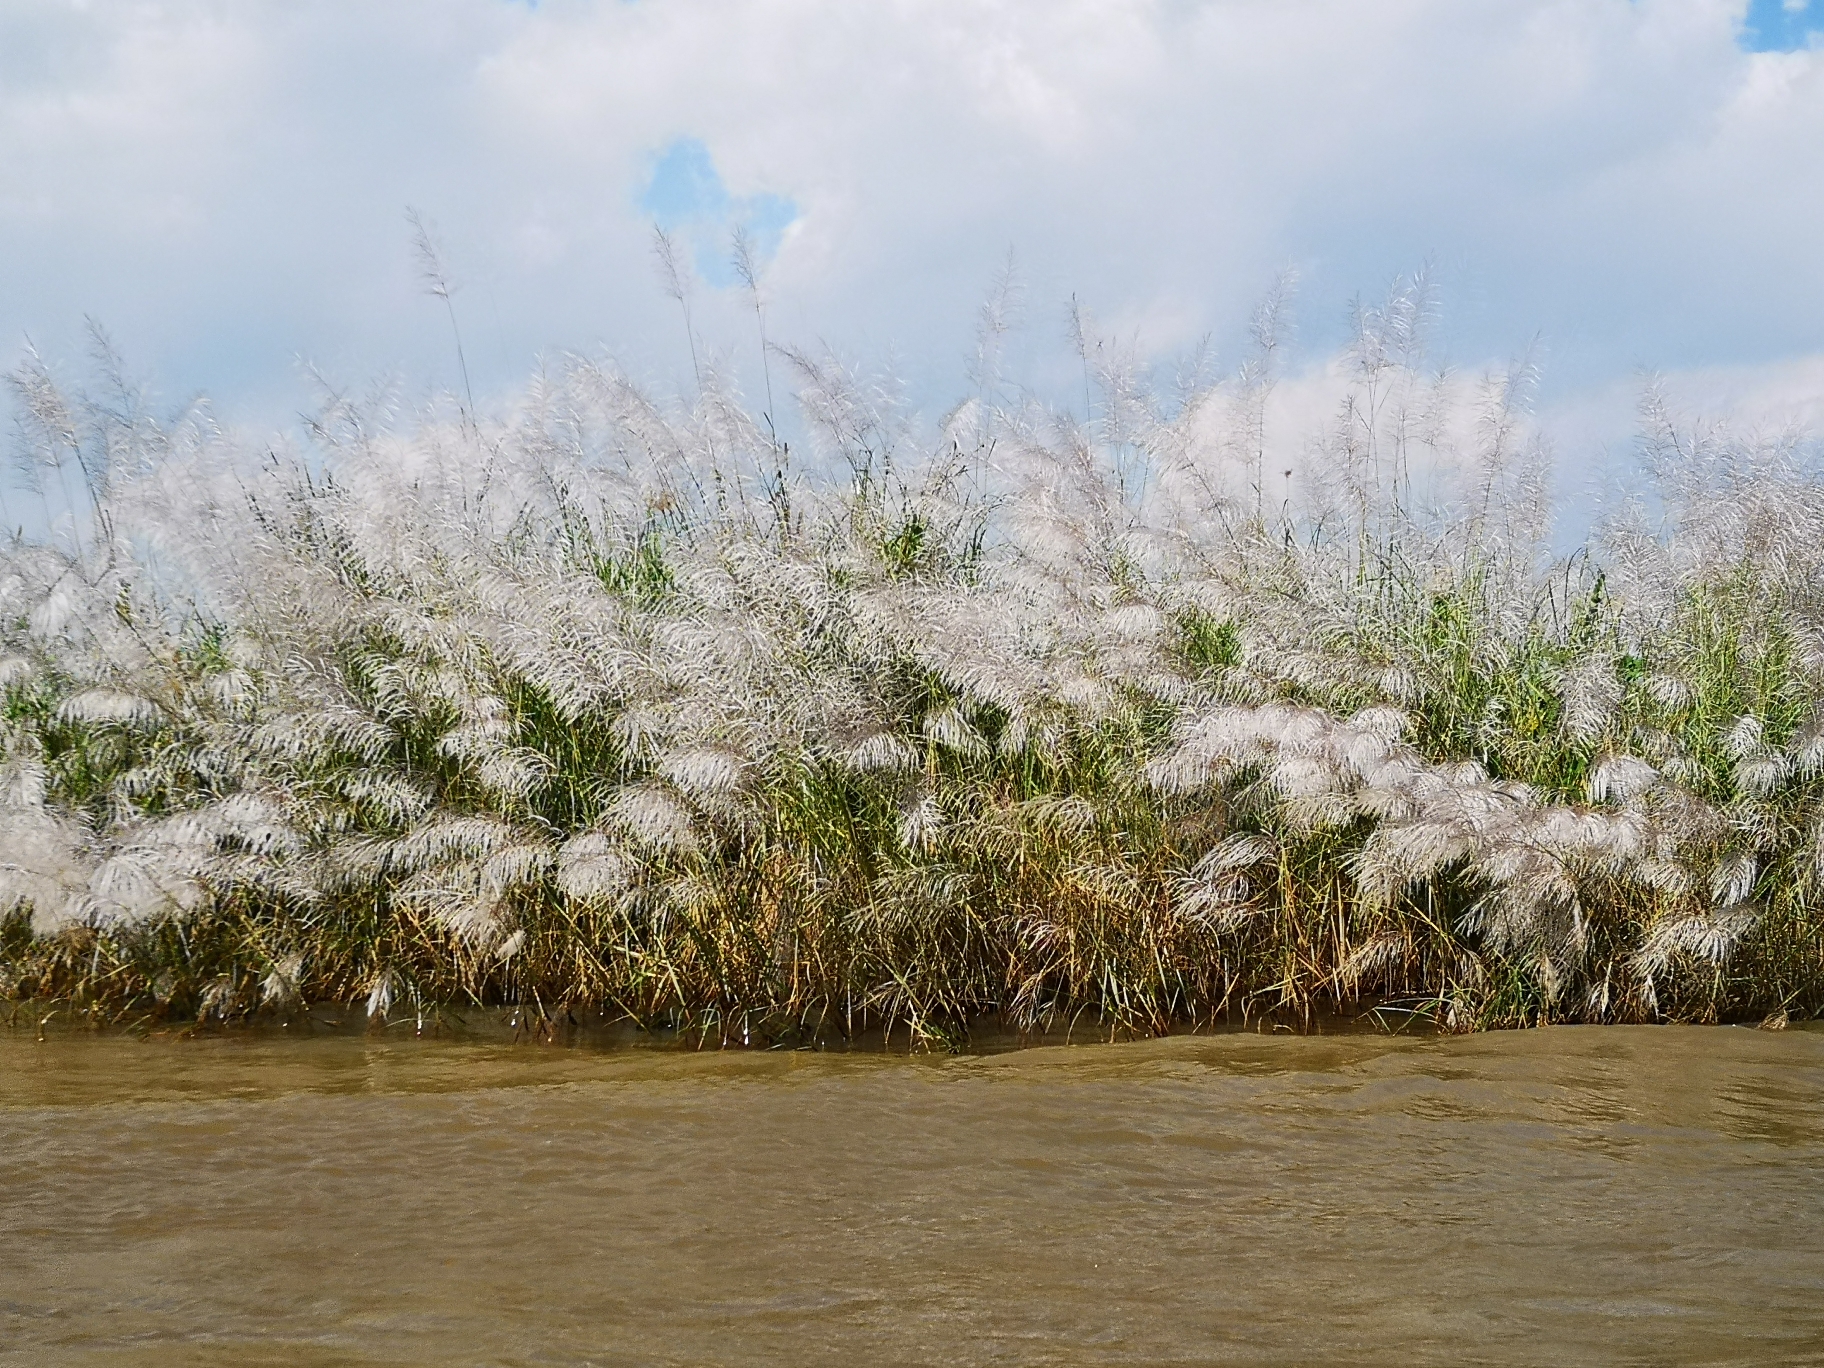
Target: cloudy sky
[(1636, 184)]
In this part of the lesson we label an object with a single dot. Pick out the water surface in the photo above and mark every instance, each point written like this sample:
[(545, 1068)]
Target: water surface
[(1569, 1195)]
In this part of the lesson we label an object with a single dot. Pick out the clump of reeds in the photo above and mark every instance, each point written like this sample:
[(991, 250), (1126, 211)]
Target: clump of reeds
[(616, 706)]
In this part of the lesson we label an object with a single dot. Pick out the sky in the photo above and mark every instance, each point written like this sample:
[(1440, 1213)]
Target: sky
[(1615, 187)]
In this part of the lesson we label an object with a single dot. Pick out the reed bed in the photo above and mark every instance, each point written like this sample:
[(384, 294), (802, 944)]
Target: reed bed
[(627, 708)]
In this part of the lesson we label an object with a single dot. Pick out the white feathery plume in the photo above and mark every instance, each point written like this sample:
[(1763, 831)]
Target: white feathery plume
[(591, 868), (704, 773), (653, 816), (880, 752), (1733, 880), (1707, 936), (1743, 738), (380, 994), (921, 820), (1591, 691), (105, 705), (279, 987), (949, 728), (1621, 778), (1669, 691)]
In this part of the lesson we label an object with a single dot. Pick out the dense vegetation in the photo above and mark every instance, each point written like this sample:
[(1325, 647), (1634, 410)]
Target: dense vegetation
[(635, 709)]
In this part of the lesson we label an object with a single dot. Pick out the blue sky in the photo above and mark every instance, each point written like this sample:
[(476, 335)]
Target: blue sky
[(1782, 25), (684, 194), (1621, 185)]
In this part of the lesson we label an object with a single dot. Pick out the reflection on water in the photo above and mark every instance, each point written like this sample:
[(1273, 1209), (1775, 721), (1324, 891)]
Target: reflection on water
[(1568, 1195)]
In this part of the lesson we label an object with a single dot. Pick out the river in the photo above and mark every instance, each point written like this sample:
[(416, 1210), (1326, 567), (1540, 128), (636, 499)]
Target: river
[(1565, 1195)]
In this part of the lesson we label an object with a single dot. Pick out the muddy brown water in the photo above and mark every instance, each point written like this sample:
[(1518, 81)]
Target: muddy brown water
[(1567, 1195)]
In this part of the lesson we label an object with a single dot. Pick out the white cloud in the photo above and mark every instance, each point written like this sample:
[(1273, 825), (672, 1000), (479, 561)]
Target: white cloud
[(225, 183)]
